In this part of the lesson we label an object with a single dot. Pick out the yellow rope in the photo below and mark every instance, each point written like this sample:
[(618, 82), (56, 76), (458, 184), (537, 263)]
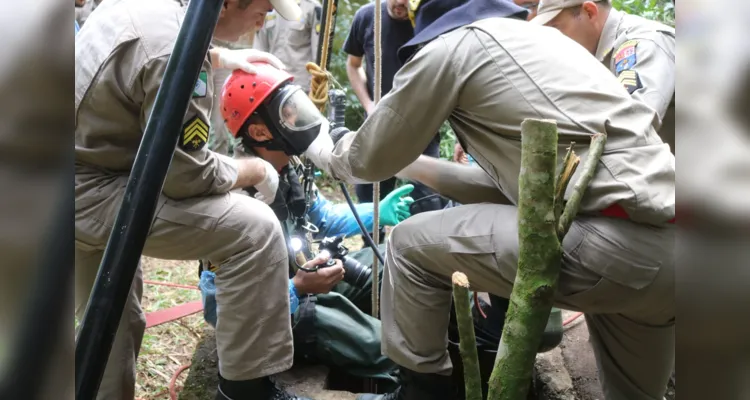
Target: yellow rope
[(318, 85)]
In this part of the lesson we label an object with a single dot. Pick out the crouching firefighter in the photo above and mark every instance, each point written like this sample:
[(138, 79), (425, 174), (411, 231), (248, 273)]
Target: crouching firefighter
[(275, 121)]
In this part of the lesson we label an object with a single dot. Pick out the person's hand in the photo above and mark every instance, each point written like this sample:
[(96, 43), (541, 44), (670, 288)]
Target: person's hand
[(459, 155), (320, 281), (243, 59), (394, 208), (269, 185)]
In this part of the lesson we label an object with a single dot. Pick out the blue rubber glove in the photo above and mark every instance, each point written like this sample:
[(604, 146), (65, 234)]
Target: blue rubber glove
[(394, 208)]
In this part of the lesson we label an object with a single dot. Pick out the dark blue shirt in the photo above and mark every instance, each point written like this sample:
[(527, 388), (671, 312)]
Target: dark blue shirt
[(361, 42)]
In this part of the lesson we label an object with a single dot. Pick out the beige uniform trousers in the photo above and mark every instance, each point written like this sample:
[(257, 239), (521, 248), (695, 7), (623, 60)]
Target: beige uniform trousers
[(237, 232), (631, 320)]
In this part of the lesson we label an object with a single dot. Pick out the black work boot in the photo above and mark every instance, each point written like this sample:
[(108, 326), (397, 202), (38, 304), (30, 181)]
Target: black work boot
[(254, 389), (418, 386)]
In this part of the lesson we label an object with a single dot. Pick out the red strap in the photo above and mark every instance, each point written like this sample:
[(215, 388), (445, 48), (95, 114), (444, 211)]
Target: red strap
[(172, 314), (616, 211)]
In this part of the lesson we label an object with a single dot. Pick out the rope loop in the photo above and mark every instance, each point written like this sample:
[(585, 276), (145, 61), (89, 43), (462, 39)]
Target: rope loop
[(319, 85)]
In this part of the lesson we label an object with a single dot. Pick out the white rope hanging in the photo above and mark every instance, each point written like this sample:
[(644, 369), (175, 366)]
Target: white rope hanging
[(376, 185)]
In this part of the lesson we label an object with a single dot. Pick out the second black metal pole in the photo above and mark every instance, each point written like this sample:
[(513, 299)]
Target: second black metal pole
[(123, 252)]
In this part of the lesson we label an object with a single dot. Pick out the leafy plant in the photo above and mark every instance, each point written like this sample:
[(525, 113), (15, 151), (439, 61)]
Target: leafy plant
[(657, 10), (354, 110)]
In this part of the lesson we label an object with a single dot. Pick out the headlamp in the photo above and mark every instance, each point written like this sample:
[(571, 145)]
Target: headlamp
[(295, 243)]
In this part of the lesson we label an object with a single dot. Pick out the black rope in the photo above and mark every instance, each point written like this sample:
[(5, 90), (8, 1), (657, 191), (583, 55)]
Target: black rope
[(362, 227)]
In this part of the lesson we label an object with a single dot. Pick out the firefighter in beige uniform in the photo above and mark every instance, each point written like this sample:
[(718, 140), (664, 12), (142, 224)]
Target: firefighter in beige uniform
[(120, 60), (486, 76), (295, 43), (640, 52)]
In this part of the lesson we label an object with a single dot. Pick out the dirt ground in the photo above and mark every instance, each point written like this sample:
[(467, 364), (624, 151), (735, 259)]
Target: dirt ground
[(578, 359), (309, 381)]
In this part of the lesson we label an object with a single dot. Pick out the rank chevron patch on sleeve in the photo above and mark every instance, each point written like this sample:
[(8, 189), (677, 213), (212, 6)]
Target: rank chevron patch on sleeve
[(194, 134)]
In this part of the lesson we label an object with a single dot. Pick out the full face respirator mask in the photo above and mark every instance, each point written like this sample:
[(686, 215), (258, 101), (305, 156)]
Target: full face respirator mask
[(270, 100)]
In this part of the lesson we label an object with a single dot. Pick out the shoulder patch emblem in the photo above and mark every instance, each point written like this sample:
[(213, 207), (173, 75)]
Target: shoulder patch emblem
[(201, 85), (630, 80), (194, 134), (625, 56)]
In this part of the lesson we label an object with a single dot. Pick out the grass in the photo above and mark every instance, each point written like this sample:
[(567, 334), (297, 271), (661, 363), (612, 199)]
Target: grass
[(167, 347)]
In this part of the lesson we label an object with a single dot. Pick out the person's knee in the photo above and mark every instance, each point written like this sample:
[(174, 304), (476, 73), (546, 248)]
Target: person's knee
[(411, 232), (398, 234), (260, 229)]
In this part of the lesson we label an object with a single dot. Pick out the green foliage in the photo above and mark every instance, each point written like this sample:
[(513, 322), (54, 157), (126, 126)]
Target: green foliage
[(354, 110), (657, 10), (447, 141)]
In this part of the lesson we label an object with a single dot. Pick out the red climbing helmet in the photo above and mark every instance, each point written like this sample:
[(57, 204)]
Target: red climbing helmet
[(269, 97), (243, 93)]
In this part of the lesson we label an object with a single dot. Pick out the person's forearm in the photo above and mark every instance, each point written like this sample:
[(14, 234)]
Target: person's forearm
[(358, 81), (214, 54), (464, 184), (250, 172)]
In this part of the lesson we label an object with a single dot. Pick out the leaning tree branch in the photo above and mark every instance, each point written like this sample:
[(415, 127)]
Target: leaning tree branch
[(467, 338), (569, 167), (589, 167)]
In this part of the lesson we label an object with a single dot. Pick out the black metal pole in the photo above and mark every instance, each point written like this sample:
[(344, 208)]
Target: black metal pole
[(133, 222)]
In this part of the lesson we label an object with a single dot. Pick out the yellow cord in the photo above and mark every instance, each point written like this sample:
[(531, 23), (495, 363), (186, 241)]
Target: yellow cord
[(318, 85)]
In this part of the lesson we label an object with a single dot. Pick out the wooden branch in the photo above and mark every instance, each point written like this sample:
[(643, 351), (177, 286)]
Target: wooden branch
[(569, 167), (589, 168), (467, 339), (538, 263)]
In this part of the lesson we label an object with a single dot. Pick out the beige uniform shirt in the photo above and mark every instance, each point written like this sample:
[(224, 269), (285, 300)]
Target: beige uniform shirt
[(295, 43), (120, 60), (486, 78), (641, 53)]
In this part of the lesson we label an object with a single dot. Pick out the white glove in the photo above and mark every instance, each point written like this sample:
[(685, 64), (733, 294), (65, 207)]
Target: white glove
[(269, 185), (242, 59), (319, 151)]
